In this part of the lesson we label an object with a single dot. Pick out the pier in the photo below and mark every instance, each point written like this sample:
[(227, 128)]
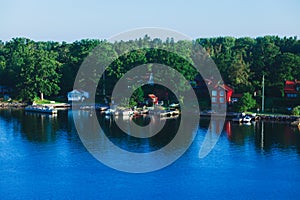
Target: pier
[(57, 105)]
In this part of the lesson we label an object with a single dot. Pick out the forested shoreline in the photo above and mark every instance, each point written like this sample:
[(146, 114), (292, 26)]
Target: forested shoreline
[(33, 68)]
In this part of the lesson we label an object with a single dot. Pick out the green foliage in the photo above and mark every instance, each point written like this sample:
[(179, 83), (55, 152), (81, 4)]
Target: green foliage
[(33, 68), (296, 110), (138, 95), (39, 101), (243, 62), (245, 103), (40, 75), (127, 103)]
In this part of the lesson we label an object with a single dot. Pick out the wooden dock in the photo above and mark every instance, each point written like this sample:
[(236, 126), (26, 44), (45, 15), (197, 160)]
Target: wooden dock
[(170, 113), (57, 105)]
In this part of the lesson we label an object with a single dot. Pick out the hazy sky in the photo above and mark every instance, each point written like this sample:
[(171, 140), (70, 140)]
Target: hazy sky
[(69, 20)]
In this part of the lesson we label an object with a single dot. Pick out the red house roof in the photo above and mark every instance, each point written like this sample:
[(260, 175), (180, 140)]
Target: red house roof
[(152, 96), (225, 87), (228, 90), (290, 87), (216, 84)]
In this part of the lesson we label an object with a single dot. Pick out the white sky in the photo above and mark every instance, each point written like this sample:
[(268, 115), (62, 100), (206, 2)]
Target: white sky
[(70, 20)]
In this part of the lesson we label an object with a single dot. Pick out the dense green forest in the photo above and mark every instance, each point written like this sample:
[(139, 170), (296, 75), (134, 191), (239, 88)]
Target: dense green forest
[(33, 69)]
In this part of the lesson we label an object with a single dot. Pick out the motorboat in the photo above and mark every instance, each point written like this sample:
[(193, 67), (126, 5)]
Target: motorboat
[(41, 109), (243, 118), (296, 123), (247, 119), (109, 112)]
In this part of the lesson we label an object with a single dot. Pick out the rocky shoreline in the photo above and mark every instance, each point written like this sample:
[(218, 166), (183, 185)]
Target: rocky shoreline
[(258, 116), (287, 118), (12, 105)]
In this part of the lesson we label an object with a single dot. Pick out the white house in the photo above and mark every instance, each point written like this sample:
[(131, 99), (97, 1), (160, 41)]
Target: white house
[(78, 95)]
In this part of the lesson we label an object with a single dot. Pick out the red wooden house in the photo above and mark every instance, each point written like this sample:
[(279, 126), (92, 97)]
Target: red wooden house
[(153, 99), (221, 94), (291, 89)]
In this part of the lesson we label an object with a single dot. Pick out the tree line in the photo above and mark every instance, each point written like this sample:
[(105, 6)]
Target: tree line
[(34, 68)]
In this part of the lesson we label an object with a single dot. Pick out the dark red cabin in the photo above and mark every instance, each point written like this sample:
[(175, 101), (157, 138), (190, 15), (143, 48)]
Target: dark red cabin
[(221, 94), (291, 88)]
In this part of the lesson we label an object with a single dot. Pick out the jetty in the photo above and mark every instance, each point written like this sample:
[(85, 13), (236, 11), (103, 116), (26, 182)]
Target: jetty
[(100, 108), (164, 113), (169, 113), (294, 120), (57, 105), (215, 114)]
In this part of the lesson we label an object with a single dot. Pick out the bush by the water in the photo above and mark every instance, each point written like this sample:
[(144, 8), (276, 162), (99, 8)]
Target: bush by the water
[(245, 103), (296, 110)]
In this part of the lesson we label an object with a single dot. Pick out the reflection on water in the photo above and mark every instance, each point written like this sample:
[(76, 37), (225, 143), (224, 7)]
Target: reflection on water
[(36, 127), (42, 156), (39, 127), (266, 136), (137, 144)]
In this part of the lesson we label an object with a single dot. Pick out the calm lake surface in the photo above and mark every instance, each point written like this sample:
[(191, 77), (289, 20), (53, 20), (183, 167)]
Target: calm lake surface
[(42, 157)]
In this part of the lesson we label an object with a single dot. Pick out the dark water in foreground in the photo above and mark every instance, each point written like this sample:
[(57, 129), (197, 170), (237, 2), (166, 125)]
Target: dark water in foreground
[(42, 157)]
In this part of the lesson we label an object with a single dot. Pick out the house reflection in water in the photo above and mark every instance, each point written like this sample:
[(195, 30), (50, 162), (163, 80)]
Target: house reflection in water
[(264, 135)]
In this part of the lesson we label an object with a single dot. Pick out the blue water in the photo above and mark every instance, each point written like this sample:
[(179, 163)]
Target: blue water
[(42, 157)]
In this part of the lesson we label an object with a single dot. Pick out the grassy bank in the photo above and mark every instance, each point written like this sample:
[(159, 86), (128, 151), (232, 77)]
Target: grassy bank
[(50, 101)]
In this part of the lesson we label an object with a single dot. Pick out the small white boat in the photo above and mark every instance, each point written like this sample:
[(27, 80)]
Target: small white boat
[(144, 111), (102, 108), (247, 119), (122, 112), (174, 105), (41, 109), (243, 118), (126, 112), (109, 112), (296, 123)]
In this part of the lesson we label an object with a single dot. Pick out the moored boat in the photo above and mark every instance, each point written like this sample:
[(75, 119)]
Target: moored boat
[(126, 112), (244, 118), (296, 123), (247, 119), (109, 112), (41, 109)]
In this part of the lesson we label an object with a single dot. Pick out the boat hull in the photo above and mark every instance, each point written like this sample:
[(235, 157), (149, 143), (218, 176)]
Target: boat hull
[(41, 110)]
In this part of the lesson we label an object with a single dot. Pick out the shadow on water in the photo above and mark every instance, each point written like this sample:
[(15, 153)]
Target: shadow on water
[(38, 127), (43, 157), (269, 136), (135, 144), (265, 136)]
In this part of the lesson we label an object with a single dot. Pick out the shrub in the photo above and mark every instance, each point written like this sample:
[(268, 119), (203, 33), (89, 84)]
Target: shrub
[(296, 110), (246, 102)]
